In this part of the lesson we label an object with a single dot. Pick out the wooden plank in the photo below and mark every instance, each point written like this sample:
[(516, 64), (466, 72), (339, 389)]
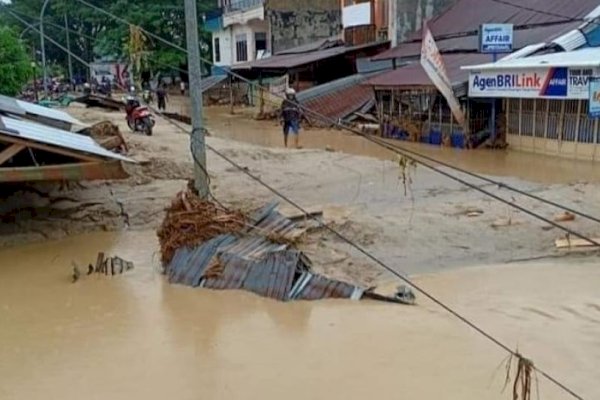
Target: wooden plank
[(51, 149), (64, 172), (10, 152), (574, 243)]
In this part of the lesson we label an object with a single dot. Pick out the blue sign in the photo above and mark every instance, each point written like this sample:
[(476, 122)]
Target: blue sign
[(557, 83), (594, 99), (496, 38)]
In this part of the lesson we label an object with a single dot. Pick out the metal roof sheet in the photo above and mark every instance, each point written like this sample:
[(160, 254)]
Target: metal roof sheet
[(55, 137), (470, 43), (288, 61), (10, 105), (571, 40), (316, 287), (211, 81), (466, 15), (588, 57), (20, 107), (414, 75)]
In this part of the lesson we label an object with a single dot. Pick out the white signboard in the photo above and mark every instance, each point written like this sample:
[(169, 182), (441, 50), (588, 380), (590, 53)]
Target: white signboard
[(356, 15), (496, 38), (433, 64), (547, 83)]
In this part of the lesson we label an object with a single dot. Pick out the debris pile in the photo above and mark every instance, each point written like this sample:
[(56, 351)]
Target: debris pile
[(190, 221), (104, 266), (108, 136), (208, 247)]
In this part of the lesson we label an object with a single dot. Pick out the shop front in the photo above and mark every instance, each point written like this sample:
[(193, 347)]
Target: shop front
[(544, 101)]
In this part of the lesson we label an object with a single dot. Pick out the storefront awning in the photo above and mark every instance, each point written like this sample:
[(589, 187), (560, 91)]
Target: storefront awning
[(584, 58)]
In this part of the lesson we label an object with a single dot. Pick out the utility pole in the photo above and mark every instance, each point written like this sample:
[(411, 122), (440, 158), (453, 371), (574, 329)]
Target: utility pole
[(43, 48), (69, 52), (195, 75)]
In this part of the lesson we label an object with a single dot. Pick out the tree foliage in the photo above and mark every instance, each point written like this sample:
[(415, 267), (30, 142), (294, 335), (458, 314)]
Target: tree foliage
[(15, 67), (94, 35)]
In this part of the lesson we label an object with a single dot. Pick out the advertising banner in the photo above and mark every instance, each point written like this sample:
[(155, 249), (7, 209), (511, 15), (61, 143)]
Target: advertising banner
[(496, 38), (548, 83), (594, 98), (433, 64)]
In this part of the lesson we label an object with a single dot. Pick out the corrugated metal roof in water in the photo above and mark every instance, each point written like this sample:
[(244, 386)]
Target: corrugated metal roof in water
[(55, 137)]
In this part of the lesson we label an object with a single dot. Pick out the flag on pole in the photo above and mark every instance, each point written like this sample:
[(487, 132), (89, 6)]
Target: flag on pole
[(433, 64)]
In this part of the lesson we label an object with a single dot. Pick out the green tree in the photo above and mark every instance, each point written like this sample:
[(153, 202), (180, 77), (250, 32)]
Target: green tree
[(15, 67)]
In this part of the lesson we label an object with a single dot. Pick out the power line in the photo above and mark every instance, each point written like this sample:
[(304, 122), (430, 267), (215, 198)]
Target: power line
[(375, 259), (397, 148)]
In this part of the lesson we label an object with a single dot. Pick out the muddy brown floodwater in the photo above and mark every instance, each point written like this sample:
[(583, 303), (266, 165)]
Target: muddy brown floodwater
[(137, 337), (530, 167)]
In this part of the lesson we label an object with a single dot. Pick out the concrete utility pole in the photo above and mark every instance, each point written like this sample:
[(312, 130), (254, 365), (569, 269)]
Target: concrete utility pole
[(43, 48), (69, 53), (195, 75)]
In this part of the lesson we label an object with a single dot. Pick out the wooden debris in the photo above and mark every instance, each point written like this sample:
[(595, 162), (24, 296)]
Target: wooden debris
[(99, 262), (565, 217), (191, 220), (568, 243)]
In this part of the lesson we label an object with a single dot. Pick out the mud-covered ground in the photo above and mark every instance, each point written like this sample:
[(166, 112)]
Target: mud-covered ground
[(415, 219)]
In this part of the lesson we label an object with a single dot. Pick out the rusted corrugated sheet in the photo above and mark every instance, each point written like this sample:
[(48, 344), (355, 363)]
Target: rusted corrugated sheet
[(256, 264), (189, 265)]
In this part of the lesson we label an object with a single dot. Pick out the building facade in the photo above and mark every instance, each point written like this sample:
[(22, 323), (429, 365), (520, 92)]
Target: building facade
[(248, 30)]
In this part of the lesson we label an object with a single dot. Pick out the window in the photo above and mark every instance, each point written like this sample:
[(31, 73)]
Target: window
[(217, 50), (260, 41), (241, 47)]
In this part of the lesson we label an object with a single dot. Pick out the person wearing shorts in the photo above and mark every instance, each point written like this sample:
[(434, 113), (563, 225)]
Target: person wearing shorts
[(291, 114)]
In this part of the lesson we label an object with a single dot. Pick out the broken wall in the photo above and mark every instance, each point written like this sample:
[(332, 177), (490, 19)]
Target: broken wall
[(298, 22), (409, 14)]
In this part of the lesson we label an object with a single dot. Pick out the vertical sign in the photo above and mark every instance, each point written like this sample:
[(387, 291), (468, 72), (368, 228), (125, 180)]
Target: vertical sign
[(433, 64), (496, 38), (594, 100)]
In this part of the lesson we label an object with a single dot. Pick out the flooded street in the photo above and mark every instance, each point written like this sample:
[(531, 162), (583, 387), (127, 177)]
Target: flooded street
[(531, 167), (137, 337)]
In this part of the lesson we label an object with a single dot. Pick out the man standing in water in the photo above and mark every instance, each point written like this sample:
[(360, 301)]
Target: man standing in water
[(291, 114)]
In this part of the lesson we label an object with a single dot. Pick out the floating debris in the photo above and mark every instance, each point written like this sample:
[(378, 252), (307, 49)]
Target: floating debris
[(191, 220), (255, 253)]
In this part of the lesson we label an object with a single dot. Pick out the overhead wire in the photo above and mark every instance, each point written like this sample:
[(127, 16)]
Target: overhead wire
[(359, 248), (405, 151)]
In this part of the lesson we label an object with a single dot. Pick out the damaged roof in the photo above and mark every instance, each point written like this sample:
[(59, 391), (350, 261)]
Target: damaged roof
[(30, 131), (338, 99), (18, 107), (255, 263)]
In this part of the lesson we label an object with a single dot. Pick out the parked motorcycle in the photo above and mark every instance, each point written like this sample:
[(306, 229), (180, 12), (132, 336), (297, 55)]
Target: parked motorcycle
[(139, 118)]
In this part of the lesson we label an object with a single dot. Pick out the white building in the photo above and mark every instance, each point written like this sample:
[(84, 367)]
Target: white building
[(240, 34)]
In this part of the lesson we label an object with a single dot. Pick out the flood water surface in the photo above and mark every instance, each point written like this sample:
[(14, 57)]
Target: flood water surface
[(137, 337), (527, 166)]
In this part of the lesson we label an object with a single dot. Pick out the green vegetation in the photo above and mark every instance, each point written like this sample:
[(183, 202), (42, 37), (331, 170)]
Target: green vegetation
[(94, 35), (15, 68)]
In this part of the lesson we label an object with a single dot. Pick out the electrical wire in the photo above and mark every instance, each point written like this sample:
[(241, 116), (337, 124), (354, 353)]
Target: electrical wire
[(369, 255), (405, 151)]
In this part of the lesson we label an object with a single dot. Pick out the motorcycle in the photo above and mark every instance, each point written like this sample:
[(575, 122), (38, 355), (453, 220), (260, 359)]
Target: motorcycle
[(139, 118)]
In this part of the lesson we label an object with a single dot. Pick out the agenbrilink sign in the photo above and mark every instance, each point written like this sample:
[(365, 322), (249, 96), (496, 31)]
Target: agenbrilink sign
[(496, 38)]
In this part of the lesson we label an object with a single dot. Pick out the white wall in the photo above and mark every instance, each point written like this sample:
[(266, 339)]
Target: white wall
[(225, 47), (227, 41)]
